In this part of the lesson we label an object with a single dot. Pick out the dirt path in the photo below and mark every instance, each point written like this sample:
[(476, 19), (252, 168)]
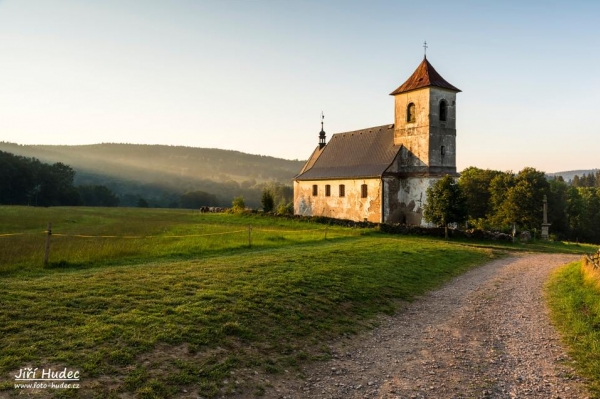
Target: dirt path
[(486, 334)]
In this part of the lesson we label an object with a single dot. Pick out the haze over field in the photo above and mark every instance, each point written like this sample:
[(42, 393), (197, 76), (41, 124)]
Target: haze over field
[(161, 174)]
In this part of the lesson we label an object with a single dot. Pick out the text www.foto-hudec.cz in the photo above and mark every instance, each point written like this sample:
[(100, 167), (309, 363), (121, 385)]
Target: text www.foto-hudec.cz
[(36, 378)]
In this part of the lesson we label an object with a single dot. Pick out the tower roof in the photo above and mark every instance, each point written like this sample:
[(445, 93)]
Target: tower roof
[(424, 76)]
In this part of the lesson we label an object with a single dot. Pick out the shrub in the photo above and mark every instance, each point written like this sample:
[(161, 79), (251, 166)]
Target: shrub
[(238, 205)]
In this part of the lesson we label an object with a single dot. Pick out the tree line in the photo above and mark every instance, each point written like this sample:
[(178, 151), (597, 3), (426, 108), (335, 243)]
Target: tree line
[(494, 200), (587, 180), (27, 181)]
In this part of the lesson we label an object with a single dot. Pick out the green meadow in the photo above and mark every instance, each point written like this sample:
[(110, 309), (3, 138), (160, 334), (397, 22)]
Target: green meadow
[(84, 237), (154, 303)]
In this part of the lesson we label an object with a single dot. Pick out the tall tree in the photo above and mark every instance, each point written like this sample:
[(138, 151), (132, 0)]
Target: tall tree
[(445, 203), (521, 201), (267, 200), (475, 185), (557, 206)]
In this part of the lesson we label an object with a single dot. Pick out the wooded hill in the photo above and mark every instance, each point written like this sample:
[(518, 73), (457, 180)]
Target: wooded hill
[(161, 174), (569, 175)]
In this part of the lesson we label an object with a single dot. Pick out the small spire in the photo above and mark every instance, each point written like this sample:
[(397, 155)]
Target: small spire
[(322, 133), (425, 48), (322, 119)]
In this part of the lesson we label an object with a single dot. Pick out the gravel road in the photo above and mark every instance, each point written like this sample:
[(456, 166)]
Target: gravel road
[(485, 334)]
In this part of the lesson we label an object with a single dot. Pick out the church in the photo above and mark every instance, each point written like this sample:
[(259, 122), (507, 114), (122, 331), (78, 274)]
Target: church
[(381, 174)]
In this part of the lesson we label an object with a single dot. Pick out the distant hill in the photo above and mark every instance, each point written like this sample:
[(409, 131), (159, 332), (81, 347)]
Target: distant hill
[(162, 173), (569, 175)]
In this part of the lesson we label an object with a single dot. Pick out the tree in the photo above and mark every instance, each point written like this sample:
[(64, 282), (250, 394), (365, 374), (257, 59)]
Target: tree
[(519, 198), (56, 185), (574, 210), (557, 207), (285, 209), (445, 203), (238, 205), (590, 220), (267, 200), (142, 203), (499, 186), (475, 185)]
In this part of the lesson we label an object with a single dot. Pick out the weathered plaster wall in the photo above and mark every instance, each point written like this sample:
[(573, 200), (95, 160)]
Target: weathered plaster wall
[(423, 139), (404, 199), (414, 136), (442, 133), (351, 206)]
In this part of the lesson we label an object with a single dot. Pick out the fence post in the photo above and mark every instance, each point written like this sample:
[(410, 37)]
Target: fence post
[(47, 250), (250, 236), (326, 227)]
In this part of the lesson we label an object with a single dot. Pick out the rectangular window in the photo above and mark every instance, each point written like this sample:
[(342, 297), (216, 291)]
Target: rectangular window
[(363, 191), (327, 190), (315, 190), (342, 190)]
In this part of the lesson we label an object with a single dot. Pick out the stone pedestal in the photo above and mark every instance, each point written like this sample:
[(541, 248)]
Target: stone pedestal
[(545, 224), (545, 231)]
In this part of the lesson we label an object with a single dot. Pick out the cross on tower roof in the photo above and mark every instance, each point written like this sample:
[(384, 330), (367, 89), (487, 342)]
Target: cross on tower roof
[(425, 47)]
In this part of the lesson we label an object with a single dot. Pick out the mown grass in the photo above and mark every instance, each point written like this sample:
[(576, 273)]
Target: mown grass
[(574, 301), (205, 320)]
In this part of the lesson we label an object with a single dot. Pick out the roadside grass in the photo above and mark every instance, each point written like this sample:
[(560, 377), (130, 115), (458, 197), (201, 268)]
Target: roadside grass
[(574, 302), (204, 324), (532, 246)]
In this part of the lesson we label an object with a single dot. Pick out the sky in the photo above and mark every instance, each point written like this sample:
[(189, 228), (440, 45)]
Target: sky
[(255, 75)]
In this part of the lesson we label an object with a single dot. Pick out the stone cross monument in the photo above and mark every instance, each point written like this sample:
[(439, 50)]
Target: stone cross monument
[(545, 224)]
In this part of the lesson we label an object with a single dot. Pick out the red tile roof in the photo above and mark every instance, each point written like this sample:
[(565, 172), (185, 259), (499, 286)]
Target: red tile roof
[(425, 75)]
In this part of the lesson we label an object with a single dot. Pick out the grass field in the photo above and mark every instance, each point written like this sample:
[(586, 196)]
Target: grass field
[(574, 300), (84, 237), (158, 314)]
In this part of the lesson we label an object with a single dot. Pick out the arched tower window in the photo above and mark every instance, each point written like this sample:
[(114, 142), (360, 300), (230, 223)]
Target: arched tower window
[(443, 110), (411, 113)]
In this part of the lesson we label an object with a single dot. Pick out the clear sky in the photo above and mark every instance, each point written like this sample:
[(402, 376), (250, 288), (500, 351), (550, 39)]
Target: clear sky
[(254, 75)]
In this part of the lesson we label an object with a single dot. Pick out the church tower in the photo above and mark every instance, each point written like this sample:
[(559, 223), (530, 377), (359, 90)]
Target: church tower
[(425, 123)]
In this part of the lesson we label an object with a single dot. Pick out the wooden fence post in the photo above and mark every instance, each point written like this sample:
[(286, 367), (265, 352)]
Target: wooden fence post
[(47, 251), (250, 236)]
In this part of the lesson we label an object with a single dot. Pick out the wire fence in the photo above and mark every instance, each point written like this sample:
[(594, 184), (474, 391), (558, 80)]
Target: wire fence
[(249, 233)]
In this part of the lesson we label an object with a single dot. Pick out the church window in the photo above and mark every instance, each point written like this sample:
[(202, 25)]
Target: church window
[(363, 191), (411, 113), (443, 110), (327, 190), (443, 150), (315, 190), (342, 190)]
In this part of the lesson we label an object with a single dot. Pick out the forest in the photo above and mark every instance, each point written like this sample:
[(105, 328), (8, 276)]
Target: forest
[(497, 200)]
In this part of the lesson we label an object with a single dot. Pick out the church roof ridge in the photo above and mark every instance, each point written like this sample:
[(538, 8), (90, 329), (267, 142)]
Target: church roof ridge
[(365, 130), (424, 76), (359, 153)]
